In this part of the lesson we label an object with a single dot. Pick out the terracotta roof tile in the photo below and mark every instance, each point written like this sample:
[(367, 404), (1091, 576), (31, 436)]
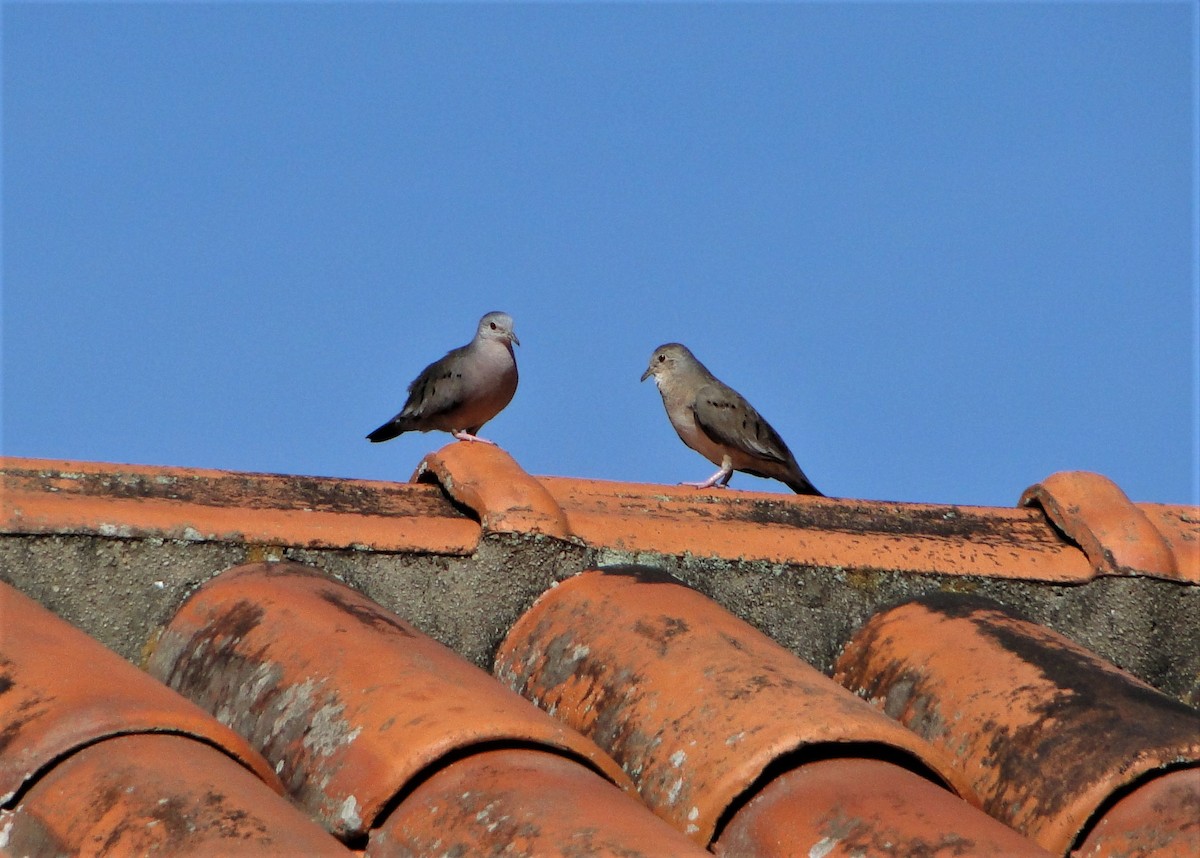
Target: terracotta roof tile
[(1180, 527), (517, 801), (62, 691), (703, 710), (45, 496), (505, 498), (916, 538), (158, 795), (811, 531), (50, 496), (399, 746), (847, 807), (1116, 535), (1045, 731), (351, 704), (1161, 818), (97, 758)]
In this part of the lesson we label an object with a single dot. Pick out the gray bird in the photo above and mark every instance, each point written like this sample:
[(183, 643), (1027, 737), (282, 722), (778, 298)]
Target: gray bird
[(463, 390), (715, 421)]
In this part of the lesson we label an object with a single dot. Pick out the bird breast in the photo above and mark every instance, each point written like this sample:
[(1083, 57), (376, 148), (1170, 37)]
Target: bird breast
[(490, 385), (683, 419)]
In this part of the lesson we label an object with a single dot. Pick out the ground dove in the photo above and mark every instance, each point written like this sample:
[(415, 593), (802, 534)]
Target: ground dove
[(463, 390), (715, 421)]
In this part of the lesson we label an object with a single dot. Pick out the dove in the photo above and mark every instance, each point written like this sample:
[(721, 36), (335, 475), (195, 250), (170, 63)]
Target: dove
[(463, 390), (715, 421)]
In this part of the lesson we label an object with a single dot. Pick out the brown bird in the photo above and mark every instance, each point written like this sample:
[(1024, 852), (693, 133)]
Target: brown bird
[(463, 390), (719, 424)]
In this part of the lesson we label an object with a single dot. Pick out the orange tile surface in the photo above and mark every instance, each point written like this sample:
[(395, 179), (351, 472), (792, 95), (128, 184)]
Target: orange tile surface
[(1180, 527), (1118, 536), (693, 703), (1045, 731), (63, 690), (349, 702), (399, 746), (1160, 818), (522, 802), (868, 535), (850, 808), (489, 481), (159, 795), (52, 496)]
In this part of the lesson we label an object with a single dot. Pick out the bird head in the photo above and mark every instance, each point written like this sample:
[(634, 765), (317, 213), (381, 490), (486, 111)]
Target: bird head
[(666, 359), (497, 326)]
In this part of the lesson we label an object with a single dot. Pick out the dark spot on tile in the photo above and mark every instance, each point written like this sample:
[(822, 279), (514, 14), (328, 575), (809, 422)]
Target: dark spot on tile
[(661, 631), (872, 519), (1088, 721), (369, 615), (249, 491)]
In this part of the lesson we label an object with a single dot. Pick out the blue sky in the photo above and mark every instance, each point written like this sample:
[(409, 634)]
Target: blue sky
[(945, 249)]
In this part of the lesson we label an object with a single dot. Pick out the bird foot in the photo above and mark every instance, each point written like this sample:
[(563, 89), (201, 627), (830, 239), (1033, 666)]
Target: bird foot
[(467, 436), (718, 480)]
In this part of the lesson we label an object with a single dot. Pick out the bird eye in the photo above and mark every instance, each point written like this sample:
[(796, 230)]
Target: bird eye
[(662, 358), (493, 325)]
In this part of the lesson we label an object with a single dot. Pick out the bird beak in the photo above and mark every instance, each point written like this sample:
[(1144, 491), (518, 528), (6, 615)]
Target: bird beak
[(513, 337), (649, 372)]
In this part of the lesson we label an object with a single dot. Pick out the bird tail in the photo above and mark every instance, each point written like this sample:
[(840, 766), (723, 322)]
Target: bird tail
[(387, 431), (801, 486)]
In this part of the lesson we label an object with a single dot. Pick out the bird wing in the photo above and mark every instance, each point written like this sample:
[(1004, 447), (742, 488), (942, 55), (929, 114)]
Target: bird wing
[(729, 420), (437, 390)]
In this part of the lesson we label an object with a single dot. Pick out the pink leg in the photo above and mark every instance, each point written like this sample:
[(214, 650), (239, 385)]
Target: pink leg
[(720, 479), (463, 435)]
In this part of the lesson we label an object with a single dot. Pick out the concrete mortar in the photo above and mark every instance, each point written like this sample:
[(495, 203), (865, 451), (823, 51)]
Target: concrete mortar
[(122, 590)]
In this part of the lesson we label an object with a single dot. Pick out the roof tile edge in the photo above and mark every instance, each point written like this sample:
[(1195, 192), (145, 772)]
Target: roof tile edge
[(1071, 528), (44, 496), (488, 481), (1118, 536)]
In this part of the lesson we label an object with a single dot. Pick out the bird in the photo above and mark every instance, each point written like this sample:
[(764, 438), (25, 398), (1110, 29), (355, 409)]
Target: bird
[(719, 424), (463, 390)]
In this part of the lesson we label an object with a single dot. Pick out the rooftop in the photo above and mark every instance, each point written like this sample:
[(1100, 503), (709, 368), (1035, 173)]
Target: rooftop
[(206, 662)]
